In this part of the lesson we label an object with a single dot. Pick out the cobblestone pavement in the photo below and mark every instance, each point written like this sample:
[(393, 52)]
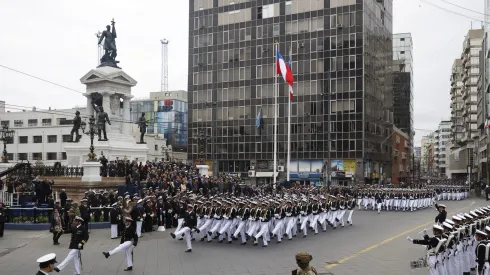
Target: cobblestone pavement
[(375, 244)]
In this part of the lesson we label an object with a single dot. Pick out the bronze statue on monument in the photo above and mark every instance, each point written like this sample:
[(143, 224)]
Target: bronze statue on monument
[(110, 49), (102, 118), (77, 121)]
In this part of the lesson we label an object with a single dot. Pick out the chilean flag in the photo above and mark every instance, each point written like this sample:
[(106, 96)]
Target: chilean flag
[(284, 70)]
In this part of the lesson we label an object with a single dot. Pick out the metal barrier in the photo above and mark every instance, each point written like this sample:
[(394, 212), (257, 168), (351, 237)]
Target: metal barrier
[(28, 215), (6, 198), (43, 214)]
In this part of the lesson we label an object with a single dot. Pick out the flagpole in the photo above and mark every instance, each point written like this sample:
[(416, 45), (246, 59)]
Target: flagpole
[(276, 89), (289, 118)]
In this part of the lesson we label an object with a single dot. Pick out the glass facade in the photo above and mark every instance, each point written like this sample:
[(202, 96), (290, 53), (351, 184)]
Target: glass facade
[(340, 52), (403, 83), (171, 123)]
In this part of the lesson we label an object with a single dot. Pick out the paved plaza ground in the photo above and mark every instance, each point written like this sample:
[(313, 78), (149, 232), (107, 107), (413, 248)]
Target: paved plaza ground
[(375, 244)]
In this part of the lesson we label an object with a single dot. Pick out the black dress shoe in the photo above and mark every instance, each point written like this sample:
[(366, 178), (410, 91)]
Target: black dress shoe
[(106, 254), (202, 240), (209, 241), (173, 235), (129, 268), (290, 239), (243, 243), (304, 236), (278, 242), (193, 239), (188, 250), (264, 245), (220, 241), (255, 244), (56, 269), (229, 242)]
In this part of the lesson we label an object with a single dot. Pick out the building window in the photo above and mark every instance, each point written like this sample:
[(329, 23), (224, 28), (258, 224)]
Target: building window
[(37, 156), (5, 123), (66, 138), (352, 62), (156, 147), (37, 139), (51, 156), (46, 122), (22, 156), (18, 123), (258, 71), (23, 139), (10, 156), (63, 156), (52, 139), (352, 145), (288, 7), (32, 122)]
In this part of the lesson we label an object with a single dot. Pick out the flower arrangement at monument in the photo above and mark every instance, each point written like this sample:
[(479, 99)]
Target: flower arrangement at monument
[(92, 155)]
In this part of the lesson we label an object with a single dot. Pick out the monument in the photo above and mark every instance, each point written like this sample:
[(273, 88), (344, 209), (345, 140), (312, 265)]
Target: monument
[(108, 93)]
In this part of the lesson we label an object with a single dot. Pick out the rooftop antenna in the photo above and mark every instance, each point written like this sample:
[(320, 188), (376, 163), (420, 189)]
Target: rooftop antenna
[(164, 81)]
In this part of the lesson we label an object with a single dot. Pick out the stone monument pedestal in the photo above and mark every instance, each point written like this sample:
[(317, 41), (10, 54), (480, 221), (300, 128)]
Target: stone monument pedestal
[(111, 89), (91, 171), (203, 169)]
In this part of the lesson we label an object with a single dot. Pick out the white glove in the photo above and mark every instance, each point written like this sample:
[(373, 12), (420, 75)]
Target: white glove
[(409, 239), (425, 231), (79, 245)]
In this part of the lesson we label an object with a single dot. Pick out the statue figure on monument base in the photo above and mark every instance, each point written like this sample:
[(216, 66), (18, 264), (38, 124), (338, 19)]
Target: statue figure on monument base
[(142, 124), (77, 121), (110, 49), (102, 118)]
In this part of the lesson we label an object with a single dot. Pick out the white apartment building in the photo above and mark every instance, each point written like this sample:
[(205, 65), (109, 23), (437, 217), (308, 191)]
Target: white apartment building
[(464, 103), (470, 57), (442, 138), (457, 103)]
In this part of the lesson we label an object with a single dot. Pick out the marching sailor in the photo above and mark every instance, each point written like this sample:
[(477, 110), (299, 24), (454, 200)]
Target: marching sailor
[(441, 217), (46, 264), (79, 236), (129, 240), (188, 225)]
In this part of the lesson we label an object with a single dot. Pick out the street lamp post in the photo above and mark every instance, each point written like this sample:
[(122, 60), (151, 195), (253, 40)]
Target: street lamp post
[(5, 136), (202, 141), (165, 153), (91, 133)]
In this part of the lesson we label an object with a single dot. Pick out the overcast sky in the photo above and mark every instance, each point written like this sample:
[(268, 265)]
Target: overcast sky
[(56, 40)]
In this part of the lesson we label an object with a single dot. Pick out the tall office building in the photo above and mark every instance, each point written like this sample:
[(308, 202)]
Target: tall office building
[(403, 83), (341, 57)]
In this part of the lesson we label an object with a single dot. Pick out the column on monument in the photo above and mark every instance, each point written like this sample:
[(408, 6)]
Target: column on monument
[(90, 108), (126, 116)]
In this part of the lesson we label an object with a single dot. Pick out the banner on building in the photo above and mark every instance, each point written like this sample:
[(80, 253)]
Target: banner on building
[(350, 167), (337, 165)]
